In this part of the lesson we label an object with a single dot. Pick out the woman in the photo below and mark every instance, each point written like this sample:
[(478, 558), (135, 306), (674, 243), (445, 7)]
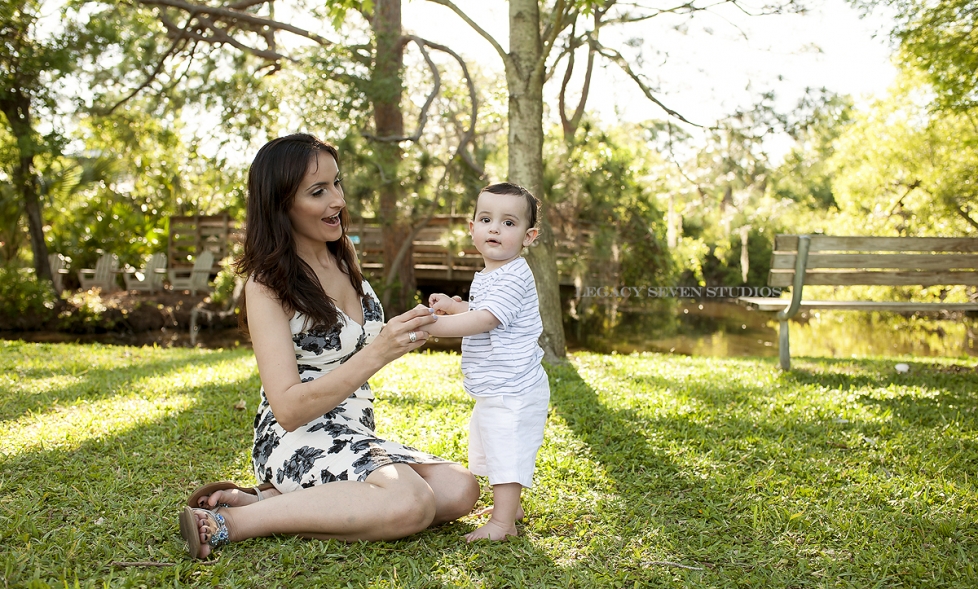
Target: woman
[(315, 327)]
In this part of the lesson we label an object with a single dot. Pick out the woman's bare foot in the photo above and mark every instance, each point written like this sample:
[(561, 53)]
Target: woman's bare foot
[(202, 527), (493, 531), (234, 498)]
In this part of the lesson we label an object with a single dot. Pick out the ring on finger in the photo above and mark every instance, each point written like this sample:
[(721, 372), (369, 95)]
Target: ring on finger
[(412, 337)]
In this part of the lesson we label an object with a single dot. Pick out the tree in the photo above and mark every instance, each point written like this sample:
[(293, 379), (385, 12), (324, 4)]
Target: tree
[(939, 38), (529, 63), (903, 169), (31, 62), (605, 199), (251, 28)]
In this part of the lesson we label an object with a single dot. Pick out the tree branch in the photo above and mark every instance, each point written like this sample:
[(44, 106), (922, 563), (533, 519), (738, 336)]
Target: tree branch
[(562, 15), (964, 215), (621, 62), (475, 26), (469, 134), (219, 36), (243, 4), (259, 23), (423, 117), (154, 74)]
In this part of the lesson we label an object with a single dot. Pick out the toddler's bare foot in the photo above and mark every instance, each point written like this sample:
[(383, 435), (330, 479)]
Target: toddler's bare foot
[(493, 531), (520, 514)]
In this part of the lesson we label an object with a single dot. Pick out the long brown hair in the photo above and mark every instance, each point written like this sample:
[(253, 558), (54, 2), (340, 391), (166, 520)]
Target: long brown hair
[(270, 255)]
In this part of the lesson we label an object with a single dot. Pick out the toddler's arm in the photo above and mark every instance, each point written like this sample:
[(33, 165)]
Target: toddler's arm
[(463, 324)]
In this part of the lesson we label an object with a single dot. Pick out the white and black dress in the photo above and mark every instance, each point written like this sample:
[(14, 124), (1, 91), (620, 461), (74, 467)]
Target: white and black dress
[(341, 445)]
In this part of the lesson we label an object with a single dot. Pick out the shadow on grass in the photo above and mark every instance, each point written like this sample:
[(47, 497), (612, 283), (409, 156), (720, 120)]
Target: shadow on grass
[(787, 492)]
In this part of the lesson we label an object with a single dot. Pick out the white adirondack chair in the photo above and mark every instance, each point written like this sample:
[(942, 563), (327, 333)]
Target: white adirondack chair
[(103, 276), (150, 277), (58, 270), (196, 278)]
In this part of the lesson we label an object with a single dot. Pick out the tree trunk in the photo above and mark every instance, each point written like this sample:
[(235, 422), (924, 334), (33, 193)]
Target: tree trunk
[(524, 79), (17, 108), (386, 88)]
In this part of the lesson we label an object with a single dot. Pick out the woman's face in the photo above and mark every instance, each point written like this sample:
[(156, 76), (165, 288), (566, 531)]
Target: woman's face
[(315, 212)]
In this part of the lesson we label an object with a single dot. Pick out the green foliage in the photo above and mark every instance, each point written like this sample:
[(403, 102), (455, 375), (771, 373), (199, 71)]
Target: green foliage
[(22, 298), (225, 282), (804, 176), (938, 39), (840, 473), (723, 195), (86, 312), (338, 9), (602, 200), (39, 54), (903, 169)]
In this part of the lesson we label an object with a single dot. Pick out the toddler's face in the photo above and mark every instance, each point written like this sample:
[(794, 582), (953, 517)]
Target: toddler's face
[(500, 229)]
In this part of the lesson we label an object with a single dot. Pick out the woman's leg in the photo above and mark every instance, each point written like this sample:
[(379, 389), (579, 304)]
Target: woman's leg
[(393, 502), (454, 487)]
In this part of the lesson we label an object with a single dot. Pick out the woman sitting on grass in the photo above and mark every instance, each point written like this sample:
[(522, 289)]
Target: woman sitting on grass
[(315, 327)]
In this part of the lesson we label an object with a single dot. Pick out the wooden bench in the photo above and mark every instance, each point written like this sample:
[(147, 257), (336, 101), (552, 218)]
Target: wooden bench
[(801, 260)]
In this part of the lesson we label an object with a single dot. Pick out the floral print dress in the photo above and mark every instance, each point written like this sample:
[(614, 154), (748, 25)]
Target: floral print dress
[(341, 445)]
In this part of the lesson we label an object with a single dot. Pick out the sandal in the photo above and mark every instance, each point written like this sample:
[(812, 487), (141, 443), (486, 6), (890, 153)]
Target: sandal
[(201, 492), (191, 532)]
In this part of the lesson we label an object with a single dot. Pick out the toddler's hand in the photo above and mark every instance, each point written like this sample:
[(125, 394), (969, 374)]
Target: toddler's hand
[(442, 304)]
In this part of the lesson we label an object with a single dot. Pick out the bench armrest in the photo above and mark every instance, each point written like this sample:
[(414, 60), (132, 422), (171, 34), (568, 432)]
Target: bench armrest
[(798, 284)]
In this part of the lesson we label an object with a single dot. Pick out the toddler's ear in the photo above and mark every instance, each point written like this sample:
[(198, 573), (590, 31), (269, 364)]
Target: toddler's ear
[(531, 235)]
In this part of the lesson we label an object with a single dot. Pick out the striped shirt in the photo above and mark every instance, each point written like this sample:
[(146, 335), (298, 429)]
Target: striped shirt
[(506, 360)]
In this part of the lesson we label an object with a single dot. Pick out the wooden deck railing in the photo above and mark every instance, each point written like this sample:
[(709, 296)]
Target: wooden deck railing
[(443, 250)]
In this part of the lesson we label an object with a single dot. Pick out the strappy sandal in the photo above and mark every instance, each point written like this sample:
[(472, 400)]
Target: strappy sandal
[(208, 489), (191, 532)]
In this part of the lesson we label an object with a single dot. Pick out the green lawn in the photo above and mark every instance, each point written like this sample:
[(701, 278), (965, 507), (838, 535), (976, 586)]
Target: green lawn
[(657, 470)]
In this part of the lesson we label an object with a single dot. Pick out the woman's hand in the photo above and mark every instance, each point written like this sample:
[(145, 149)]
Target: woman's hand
[(403, 334)]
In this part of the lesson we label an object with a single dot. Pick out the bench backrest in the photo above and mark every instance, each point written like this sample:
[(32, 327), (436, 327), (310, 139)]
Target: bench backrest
[(891, 261)]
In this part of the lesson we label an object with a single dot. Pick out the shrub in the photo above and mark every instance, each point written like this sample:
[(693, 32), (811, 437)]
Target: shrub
[(85, 312), (25, 302)]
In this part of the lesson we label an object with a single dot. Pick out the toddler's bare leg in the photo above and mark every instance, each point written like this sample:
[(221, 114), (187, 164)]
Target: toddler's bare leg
[(506, 507)]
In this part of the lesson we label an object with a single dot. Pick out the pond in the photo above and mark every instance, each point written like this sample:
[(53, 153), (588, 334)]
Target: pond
[(726, 329), (697, 328)]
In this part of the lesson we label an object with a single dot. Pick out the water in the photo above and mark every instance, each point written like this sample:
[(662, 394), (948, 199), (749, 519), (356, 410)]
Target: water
[(711, 328), (695, 328)]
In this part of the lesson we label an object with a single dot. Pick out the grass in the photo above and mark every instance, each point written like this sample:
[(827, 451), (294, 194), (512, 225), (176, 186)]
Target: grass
[(657, 470)]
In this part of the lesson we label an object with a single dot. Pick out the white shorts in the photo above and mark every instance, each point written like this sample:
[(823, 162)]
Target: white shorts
[(505, 433)]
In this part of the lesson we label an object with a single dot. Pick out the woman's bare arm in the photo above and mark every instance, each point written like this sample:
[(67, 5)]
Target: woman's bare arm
[(296, 403)]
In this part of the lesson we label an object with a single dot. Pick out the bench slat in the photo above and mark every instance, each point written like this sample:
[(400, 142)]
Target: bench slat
[(773, 304), (955, 261), (829, 243), (898, 278)]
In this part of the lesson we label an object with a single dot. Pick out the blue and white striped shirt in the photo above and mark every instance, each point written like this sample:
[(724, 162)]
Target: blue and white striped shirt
[(506, 360)]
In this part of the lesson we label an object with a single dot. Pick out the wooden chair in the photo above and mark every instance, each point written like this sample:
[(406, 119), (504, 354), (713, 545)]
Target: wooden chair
[(196, 278), (103, 276), (150, 277), (58, 270)]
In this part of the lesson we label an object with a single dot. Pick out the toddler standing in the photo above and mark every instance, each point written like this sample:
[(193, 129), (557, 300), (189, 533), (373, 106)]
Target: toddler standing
[(500, 326)]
